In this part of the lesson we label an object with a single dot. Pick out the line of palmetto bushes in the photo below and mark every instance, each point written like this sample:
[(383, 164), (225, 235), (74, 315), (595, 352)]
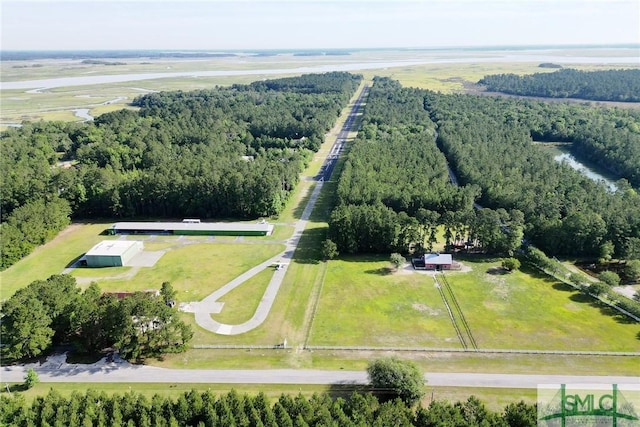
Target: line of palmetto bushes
[(601, 288), (227, 152)]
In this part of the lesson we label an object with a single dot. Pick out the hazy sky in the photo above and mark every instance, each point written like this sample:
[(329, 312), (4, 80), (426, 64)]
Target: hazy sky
[(260, 24)]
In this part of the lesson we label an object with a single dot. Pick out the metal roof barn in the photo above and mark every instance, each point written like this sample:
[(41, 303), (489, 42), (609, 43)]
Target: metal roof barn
[(193, 228), (113, 253)]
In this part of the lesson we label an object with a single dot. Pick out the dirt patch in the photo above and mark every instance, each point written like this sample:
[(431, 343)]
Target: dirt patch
[(497, 271), (425, 309)]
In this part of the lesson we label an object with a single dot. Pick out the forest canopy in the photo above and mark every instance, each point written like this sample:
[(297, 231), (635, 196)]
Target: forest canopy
[(608, 85), (394, 190), (226, 152)]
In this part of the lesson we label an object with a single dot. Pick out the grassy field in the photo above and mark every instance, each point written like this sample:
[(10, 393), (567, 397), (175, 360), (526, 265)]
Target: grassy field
[(52, 257), (240, 304), (527, 310), (363, 305), (197, 269)]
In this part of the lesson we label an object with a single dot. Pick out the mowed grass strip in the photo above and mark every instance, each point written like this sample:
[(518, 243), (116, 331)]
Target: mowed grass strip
[(528, 310), (363, 305), (53, 257), (240, 304)]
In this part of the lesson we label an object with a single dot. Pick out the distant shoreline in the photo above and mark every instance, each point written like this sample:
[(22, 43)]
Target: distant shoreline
[(25, 55)]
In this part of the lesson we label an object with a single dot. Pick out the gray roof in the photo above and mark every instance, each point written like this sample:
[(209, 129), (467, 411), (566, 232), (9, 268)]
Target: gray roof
[(200, 226), (112, 247), (437, 259)]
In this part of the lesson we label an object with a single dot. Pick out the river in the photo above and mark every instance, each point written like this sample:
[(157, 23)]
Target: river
[(563, 155), (356, 66)]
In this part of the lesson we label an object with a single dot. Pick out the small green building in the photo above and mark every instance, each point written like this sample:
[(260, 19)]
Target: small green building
[(113, 253)]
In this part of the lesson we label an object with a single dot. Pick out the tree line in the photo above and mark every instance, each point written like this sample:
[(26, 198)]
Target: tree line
[(205, 409), (606, 85), (488, 142), (226, 152), (54, 311), (608, 137), (395, 191)]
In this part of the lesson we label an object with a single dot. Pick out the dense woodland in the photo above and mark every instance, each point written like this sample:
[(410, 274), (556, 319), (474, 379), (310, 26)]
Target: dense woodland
[(233, 409), (394, 189), (395, 186), (489, 143), (609, 85), (54, 311), (226, 152)]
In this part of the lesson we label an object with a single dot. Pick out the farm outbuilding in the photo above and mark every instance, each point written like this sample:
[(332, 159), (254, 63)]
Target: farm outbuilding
[(433, 262), (193, 227), (113, 253), (437, 261)]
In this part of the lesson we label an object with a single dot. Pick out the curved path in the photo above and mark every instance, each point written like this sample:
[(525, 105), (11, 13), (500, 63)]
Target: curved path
[(211, 305)]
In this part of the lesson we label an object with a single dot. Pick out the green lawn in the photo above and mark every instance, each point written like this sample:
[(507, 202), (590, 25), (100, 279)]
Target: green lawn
[(363, 305), (527, 310), (240, 304), (197, 269), (52, 257)]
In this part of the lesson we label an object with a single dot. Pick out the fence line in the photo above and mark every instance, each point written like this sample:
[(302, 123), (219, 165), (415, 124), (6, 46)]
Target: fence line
[(451, 316), (418, 349), (488, 351), (465, 324)]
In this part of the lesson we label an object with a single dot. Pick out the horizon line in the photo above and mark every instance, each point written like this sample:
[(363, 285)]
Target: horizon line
[(293, 49)]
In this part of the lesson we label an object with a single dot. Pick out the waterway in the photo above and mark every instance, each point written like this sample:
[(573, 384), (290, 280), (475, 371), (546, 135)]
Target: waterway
[(83, 113), (37, 85), (562, 154)]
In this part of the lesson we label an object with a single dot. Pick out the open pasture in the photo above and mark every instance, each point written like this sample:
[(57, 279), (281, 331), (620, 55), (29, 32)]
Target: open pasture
[(528, 310), (195, 268), (53, 257), (363, 305)]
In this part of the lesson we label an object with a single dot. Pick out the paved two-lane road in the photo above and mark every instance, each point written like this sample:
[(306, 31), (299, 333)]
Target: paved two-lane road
[(59, 371)]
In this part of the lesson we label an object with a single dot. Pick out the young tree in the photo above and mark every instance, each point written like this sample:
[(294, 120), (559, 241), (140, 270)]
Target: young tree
[(31, 378), (329, 249), (401, 378), (632, 270), (511, 264), (520, 414), (397, 260), (610, 278), (167, 293), (598, 288)]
